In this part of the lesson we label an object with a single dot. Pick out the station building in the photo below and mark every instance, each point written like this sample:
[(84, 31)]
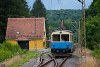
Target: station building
[(28, 33)]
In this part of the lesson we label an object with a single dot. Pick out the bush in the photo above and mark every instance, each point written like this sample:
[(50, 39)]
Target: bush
[(7, 50), (96, 53), (4, 55)]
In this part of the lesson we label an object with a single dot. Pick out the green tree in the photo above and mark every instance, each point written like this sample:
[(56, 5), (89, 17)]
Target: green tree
[(93, 25), (11, 8), (38, 9), (92, 11), (93, 32)]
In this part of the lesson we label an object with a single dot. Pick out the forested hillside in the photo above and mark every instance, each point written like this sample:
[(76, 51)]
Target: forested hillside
[(54, 17), (64, 14)]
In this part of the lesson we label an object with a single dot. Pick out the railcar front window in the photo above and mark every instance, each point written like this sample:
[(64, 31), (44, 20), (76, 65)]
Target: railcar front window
[(56, 37), (65, 37)]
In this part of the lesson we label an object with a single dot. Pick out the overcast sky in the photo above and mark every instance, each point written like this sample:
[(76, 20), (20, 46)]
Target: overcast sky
[(61, 4)]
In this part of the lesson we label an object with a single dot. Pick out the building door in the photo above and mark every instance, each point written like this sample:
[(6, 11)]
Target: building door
[(24, 44)]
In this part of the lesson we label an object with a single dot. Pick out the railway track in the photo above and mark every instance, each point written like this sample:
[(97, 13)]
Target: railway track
[(44, 62)]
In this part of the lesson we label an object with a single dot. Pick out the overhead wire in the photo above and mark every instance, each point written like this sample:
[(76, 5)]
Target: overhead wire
[(50, 4), (59, 2)]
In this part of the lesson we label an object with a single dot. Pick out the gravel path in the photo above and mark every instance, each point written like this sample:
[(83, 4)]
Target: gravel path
[(31, 63), (72, 62)]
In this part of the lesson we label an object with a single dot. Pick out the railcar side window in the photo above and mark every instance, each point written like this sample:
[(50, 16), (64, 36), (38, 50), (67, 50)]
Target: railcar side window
[(65, 37), (56, 37)]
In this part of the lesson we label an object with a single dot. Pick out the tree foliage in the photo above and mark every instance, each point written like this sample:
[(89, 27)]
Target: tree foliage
[(14, 8), (38, 9), (93, 25), (93, 32), (11, 8), (55, 16), (92, 11)]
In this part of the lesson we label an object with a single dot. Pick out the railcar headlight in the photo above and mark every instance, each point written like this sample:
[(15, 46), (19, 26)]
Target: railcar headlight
[(57, 50), (63, 50)]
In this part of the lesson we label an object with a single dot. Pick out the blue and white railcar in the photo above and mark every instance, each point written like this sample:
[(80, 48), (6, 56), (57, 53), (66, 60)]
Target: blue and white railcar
[(61, 41)]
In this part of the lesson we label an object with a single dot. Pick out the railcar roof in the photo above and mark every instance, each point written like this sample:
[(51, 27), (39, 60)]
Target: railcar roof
[(63, 30), (56, 31)]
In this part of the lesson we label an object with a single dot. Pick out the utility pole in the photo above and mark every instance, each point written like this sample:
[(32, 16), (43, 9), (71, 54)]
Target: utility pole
[(62, 24), (62, 21), (83, 37), (84, 28), (79, 33), (35, 38), (83, 22), (83, 41)]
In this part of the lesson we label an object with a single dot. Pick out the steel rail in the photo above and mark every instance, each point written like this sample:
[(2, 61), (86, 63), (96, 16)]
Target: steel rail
[(42, 65), (61, 64), (41, 59), (55, 62)]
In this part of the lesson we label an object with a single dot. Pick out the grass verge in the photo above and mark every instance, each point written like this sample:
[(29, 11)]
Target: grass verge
[(24, 58)]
